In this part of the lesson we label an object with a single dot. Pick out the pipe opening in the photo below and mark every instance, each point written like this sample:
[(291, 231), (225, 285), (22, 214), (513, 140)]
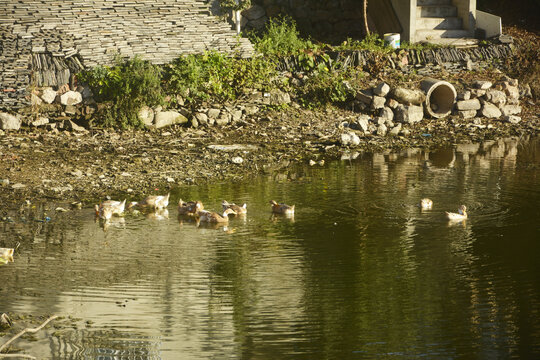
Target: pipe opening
[(440, 97)]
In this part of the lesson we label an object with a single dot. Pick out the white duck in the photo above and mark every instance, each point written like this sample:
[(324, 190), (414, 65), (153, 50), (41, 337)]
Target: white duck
[(459, 216)]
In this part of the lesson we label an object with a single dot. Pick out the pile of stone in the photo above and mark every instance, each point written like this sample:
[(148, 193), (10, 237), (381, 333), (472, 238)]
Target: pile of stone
[(391, 112)]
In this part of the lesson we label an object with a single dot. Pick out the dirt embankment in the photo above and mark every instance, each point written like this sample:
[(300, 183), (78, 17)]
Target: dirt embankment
[(40, 165)]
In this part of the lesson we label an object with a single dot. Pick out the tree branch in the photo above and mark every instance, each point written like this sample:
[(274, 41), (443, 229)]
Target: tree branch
[(27, 330)]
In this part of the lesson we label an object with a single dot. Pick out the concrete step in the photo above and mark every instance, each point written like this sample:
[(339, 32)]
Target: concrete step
[(440, 34), (447, 23), (436, 11), (433, 2)]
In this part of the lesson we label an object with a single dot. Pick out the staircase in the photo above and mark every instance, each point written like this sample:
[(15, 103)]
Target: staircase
[(437, 22)]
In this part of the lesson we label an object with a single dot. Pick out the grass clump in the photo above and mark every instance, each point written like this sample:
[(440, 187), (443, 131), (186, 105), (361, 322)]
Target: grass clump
[(125, 87)]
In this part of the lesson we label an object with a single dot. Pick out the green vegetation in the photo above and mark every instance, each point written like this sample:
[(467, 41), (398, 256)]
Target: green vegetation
[(130, 84), (126, 87)]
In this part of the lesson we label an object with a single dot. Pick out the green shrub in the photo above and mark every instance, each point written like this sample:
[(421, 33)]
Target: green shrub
[(280, 38), (128, 85), (214, 76), (326, 88)]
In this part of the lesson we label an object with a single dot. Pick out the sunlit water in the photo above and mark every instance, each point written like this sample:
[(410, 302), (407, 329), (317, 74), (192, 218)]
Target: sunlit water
[(360, 272)]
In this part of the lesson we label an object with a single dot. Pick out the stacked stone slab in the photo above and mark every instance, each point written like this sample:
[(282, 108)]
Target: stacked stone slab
[(45, 35)]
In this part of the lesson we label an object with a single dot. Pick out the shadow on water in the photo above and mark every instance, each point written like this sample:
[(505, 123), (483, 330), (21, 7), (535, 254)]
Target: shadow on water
[(360, 271)]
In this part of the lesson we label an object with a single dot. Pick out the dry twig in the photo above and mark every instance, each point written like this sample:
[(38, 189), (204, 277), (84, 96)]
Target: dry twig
[(24, 331)]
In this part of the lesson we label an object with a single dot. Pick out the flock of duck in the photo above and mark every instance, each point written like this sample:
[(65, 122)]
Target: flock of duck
[(108, 208)]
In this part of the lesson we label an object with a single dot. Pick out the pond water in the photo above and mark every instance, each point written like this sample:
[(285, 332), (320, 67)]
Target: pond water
[(360, 272)]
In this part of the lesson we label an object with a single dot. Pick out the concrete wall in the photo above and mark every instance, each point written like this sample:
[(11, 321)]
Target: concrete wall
[(406, 12), (467, 12)]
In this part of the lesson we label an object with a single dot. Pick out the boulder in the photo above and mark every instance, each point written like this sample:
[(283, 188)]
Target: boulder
[(482, 85), (408, 97), (146, 115), (378, 102), (508, 110), (9, 122), (167, 118), (496, 97), (71, 98), (387, 113), (409, 114), (490, 110), (472, 104), (48, 95), (382, 89)]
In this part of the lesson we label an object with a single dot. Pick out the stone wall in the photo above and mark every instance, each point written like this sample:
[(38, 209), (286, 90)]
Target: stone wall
[(93, 32)]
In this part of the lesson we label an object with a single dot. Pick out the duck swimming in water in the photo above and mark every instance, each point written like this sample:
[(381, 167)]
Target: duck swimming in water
[(239, 210), (189, 208), (213, 217), (155, 202), (281, 208), (460, 215), (108, 208), (426, 203)]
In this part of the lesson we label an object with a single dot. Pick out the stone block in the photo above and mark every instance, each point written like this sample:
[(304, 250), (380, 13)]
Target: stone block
[(71, 98), (472, 104), (365, 96), (382, 89), (490, 110), (378, 102), (409, 114), (168, 118), (9, 122), (387, 113), (48, 95)]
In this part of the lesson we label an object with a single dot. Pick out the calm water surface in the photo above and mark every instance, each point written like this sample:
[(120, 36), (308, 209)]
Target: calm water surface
[(358, 273)]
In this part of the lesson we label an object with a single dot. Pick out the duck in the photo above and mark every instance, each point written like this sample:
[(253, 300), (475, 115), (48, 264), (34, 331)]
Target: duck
[(281, 208), (239, 210), (460, 215), (156, 202), (108, 208), (213, 217), (189, 208), (426, 203)]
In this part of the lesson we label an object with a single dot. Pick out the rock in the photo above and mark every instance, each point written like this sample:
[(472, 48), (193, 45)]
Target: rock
[(525, 90), (476, 93), (513, 119), (395, 130), (378, 102), (49, 95), (213, 113), (146, 115), (490, 110), (363, 122), (408, 97), (483, 85), (77, 173), (70, 110), (392, 104), (168, 118), (508, 110), (278, 97), (233, 147), (71, 98), (251, 109), (365, 96), (237, 160), (223, 119), (350, 139), (236, 114), (512, 92), (472, 104), (18, 186), (202, 118), (9, 122), (467, 114), (382, 89), (194, 122), (4, 182), (387, 113), (466, 95), (496, 97), (40, 121), (409, 114), (70, 125), (382, 130), (35, 100)]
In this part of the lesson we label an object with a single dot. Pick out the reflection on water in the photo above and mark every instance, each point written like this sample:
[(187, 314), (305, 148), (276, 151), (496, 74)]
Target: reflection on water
[(361, 271)]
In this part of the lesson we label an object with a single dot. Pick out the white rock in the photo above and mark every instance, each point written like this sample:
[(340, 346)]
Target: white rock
[(382, 130), (408, 97), (472, 104), (490, 110), (146, 114), (395, 130), (508, 110), (378, 102), (409, 114), (363, 122), (237, 160), (350, 139), (382, 89), (213, 113), (496, 97), (467, 114), (35, 100), (167, 118), (513, 119), (9, 122), (483, 85), (512, 92), (71, 98), (48, 95), (387, 113)]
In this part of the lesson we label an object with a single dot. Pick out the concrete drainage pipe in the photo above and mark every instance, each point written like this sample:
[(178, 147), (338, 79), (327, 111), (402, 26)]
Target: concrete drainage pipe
[(440, 97)]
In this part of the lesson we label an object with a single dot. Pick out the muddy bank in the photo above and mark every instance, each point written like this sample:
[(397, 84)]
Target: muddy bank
[(70, 166)]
